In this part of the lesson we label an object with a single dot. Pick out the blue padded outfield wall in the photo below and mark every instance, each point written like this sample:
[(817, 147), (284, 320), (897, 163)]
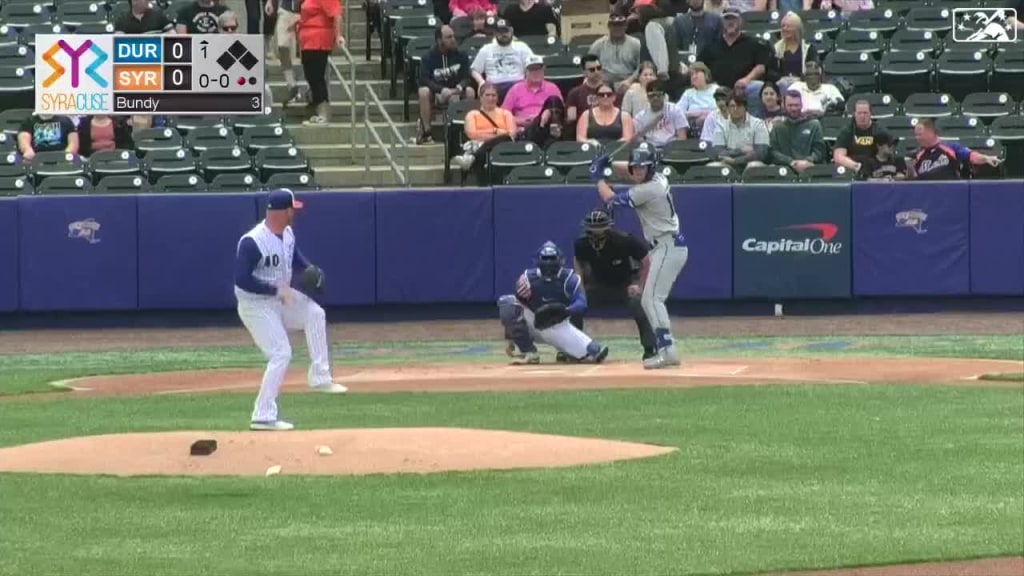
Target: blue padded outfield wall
[(176, 251)]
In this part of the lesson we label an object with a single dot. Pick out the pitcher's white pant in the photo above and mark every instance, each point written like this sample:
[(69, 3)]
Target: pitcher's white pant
[(667, 261), (563, 336), (269, 320)]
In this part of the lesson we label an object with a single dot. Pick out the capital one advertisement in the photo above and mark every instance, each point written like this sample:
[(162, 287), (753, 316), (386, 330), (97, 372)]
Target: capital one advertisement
[(791, 242)]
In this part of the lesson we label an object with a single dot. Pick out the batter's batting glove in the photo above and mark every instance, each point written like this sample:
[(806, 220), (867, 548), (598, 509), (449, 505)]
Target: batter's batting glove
[(312, 280), (598, 166)]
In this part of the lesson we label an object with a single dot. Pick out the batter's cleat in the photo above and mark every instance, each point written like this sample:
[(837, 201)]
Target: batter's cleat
[(331, 388), (528, 358), (274, 426), (511, 351)]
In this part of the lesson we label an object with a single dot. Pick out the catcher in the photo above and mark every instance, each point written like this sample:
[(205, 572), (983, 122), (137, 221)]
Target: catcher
[(545, 299), (612, 264)]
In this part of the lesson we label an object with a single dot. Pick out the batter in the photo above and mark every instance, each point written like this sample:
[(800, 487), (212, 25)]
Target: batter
[(269, 307), (651, 198)]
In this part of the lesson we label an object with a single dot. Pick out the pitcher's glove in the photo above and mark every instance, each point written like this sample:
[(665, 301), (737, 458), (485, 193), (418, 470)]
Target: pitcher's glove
[(549, 315), (312, 280)]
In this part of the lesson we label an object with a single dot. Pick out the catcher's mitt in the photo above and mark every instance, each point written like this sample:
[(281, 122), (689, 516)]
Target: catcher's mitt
[(312, 280), (549, 315)]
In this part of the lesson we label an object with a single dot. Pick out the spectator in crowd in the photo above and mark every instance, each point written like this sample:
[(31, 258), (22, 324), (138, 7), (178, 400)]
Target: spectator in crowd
[(99, 133), (479, 29), (533, 102), (464, 8), (749, 5), (743, 140), (699, 100), (798, 141), (937, 159), (653, 18), (771, 104), (672, 125), (501, 62), (605, 121), (257, 10), (319, 35), (200, 17), (846, 6), (582, 97), (886, 164), (857, 143), (142, 19), (792, 53), (714, 6), (635, 99), (737, 60), (819, 98), (444, 78), (47, 133), (695, 29), (715, 122), (285, 22), (486, 127), (532, 18), (619, 54)]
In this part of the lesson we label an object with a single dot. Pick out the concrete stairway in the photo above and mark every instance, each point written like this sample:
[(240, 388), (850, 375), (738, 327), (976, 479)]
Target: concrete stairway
[(338, 152)]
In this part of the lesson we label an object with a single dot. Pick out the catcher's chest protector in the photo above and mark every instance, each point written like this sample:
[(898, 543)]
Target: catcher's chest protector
[(548, 290)]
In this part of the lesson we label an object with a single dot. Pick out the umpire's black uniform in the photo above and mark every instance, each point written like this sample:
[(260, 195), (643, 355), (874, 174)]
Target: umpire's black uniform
[(609, 262)]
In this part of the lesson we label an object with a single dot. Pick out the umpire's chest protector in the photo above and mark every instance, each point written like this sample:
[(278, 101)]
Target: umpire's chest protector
[(548, 290)]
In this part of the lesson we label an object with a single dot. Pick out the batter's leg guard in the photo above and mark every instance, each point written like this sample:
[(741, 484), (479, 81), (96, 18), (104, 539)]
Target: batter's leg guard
[(647, 338), (516, 330)]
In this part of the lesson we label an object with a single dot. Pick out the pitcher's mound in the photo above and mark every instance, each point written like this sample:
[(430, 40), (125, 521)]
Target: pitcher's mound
[(356, 451)]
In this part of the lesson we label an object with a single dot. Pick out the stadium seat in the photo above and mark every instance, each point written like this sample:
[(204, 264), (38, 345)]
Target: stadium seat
[(1009, 131), (216, 161), (543, 46), (901, 127), (566, 154), (583, 41), (915, 41), (407, 28), (75, 14), (822, 42), (859, 70), (270, 161), (160, 163), (684, 154), (123, 184), (473, 44), (201, 139), (186, 124), (64, 185), (828, 22), (861, 41), (241, 182), (455, 131), (256, 139), (904, 73), (12, 119), (20, 16), (534, 176), (711, 175), (564, 70), (906, 147), (987, 106), (415, 51), (826, 173), (1008, 73), (961, 73), (27, 35), (113, 163), (960, 127), (17, 89), (53, 164), (901, 7), (8, 143), (991, 147), (95, 28), (831, 126), (16, 186), (294, 181), (508, 155), (242, 123), (578, 175), (769, 174), (935, 19), (180, 183), (930, 105), (770, 18), (670, 173), (151, 139), (17, 55), (885, 21), (882, 105)]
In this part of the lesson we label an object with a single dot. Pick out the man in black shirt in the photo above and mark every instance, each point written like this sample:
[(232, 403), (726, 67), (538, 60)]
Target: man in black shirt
[(200, 17), (531, 18), (886, 164), (611, 264), (857, 143), (737, 60), (142, 19)]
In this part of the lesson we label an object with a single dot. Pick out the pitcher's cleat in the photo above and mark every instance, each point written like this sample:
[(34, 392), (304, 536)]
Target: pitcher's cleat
[(332, 388), (274, 426), (528, 358), (670, 355)]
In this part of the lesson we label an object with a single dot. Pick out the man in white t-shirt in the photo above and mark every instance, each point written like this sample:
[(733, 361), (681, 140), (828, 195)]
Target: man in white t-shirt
[(672, 126), (502, 62), (818, 97)]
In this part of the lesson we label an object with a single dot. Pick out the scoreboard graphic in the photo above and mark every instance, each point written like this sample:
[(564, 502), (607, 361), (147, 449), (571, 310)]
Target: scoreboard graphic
[(210, 74)]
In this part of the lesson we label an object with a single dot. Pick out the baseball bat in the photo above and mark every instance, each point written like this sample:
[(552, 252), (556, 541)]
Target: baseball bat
[(639, 135)]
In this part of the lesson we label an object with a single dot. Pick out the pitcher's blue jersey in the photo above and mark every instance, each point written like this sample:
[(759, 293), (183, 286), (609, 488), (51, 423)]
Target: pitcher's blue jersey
[(534, 290)]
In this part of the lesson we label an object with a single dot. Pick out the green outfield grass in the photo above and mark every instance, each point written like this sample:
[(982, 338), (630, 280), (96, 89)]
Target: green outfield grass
[(1005, 377), (765, 478)]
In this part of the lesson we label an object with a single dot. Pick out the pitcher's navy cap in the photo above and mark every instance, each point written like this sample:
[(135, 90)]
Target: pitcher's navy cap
[(282, 199)]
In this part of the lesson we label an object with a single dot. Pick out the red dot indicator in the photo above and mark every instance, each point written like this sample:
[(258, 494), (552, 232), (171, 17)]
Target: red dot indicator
[(241, 81)]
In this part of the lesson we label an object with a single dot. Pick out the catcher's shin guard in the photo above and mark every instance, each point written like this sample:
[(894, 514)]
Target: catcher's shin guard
[(516, 330)]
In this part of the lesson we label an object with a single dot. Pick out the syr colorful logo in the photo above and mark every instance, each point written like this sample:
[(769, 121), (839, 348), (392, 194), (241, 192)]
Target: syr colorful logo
[(76, 54)]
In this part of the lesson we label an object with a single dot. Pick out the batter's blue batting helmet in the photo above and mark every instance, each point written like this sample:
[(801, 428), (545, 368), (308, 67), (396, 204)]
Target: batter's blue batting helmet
[(642, 155), (549, 259)]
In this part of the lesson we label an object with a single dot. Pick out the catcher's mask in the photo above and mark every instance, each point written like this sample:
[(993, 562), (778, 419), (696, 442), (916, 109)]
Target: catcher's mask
[(596, 225), (643, 156), (549, 260)]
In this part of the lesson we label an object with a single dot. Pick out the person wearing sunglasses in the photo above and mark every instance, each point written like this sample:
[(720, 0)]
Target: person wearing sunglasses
[(584, 96), (605, 122), (671, 126), (228, 23)]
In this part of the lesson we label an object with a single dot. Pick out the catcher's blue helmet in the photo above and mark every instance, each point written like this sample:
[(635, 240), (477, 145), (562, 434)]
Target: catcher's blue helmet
[(549, 259)]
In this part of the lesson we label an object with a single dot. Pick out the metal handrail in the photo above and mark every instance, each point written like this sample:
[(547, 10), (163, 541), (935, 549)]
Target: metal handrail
[(399, 140), (349, 86)]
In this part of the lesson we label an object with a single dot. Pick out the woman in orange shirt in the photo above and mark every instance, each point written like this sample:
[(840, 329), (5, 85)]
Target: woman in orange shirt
[(486, 127), (319, 34)]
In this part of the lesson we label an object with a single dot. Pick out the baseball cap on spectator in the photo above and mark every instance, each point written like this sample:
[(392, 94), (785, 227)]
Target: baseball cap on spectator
[(732, 13), (501, 25), (282, 199), (722, 93), (534, 62)]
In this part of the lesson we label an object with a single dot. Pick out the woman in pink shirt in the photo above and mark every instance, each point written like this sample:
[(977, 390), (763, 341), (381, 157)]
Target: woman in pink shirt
[(463, 8), (536, 104)]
